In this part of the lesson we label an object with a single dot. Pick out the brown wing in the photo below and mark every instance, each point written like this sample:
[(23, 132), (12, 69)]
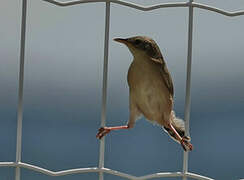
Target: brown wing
[(165, 75)]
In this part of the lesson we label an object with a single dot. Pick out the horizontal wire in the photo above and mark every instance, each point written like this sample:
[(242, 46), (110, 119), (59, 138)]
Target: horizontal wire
[(8, 164), (71, 3), (106, 170), (124, 3), (152, 7), (96, 170), (197, 176), (217, 10)]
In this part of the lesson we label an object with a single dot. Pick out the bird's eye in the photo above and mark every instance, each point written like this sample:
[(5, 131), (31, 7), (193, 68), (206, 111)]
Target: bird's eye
[(137, 41)]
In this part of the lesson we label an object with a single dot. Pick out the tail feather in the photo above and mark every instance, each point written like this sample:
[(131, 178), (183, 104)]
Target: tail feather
[(179, 126)]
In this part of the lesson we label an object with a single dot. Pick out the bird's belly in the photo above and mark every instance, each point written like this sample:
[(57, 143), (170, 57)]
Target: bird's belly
[(153, 100)]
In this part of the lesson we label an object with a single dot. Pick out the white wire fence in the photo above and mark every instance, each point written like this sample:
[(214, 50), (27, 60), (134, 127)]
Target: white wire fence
[(18, 164)]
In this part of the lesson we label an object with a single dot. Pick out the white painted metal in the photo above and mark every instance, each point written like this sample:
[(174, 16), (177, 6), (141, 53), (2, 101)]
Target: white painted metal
[(8, 164), (18, 164), (98, 170), (196, 176), (217, 10), (188, 85), (149, 8), (21, 86), (105, 82)]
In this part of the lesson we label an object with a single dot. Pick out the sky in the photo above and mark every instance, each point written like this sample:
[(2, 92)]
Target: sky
[(63, 88)]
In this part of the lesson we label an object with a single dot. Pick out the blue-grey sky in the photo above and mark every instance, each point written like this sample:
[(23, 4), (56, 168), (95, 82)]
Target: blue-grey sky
[(63, 82)]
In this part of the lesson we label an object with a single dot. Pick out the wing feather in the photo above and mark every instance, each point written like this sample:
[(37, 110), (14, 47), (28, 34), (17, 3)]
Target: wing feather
[(165, 75)]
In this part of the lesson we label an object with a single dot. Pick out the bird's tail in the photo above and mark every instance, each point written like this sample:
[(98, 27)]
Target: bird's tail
[(179, 126)]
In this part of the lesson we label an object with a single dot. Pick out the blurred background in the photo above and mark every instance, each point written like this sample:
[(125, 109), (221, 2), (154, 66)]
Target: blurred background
[(63, 87)]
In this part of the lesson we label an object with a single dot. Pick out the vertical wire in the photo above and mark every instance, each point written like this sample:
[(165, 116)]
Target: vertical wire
[(188, 84), (104, 90), (20, 93)]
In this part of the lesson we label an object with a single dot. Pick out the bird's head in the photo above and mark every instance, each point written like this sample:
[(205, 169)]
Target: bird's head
[(142, 46)]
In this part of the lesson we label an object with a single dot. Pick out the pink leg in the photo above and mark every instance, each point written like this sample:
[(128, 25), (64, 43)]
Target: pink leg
[(105, 130), (184, 143), (134, 114)]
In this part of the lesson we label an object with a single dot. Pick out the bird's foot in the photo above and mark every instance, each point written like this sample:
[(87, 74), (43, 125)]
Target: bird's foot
[(102, 132), (187, 146)]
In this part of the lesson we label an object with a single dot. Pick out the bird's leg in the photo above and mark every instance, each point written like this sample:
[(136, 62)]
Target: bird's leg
[(105, 130), (184, 143), (134, 113)]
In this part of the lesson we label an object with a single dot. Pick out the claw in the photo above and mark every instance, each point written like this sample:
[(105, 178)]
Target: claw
[(187, 146), (102, 132)]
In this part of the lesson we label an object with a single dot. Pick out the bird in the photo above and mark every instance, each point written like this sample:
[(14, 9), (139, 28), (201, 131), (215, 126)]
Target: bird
[(151, 91)]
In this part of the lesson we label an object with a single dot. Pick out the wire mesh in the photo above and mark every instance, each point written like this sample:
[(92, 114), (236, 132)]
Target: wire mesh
[(101, 169)]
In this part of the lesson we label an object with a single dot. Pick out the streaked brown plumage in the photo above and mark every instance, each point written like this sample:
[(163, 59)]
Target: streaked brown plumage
[(151, 90)]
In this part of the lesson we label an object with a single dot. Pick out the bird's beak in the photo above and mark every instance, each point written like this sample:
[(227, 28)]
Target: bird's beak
[(124, 41)]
